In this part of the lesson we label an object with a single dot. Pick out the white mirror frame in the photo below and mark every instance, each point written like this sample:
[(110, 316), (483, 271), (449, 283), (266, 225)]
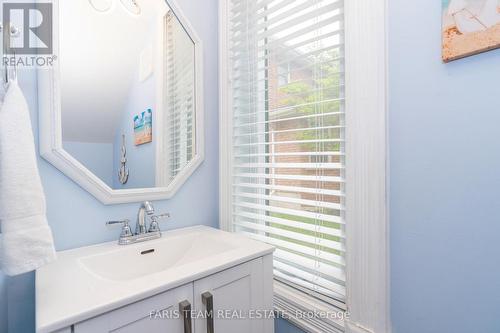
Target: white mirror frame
[(50, 135)]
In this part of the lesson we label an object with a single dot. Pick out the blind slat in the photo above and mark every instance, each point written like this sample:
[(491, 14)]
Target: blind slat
[(298, 153), (292, 235), (315, 178), (296, 142), (314, 203), (288, 107), (308, 129), (323, 229), (242, 71), (326, 270), (309, 116), (311, 56), (317, 166), (317, 191), (294, 212), (334, 258), (330, 91)]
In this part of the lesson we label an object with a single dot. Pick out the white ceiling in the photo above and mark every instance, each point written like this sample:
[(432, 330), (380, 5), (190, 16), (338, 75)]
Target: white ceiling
[(99, 59)]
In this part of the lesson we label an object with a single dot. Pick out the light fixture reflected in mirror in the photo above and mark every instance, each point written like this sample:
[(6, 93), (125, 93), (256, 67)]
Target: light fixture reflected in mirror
[(101, 5), (132, 6)]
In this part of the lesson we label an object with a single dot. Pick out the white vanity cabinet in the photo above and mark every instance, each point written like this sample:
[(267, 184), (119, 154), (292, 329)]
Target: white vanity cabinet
[(139, 288), (237, 297)]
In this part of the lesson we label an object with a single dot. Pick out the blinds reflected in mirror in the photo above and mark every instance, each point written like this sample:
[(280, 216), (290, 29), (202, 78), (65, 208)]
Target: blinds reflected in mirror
[(287, 87), (180, 92)]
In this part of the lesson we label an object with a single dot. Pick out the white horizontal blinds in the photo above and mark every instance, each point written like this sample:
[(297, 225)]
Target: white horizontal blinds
[(287, 93), (180, 94)]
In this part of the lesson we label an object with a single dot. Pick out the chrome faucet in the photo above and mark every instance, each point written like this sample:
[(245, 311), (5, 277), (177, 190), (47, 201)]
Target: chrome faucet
[(142, 233), (146, 208)]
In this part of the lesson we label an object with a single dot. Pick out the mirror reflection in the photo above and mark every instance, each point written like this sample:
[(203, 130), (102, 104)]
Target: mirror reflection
[(127, 90)]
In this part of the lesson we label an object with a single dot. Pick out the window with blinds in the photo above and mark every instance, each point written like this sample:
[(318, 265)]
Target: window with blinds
[(287, 98)]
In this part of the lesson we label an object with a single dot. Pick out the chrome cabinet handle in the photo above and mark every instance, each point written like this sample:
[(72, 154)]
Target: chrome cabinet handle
[(185, 309), (208, 300)]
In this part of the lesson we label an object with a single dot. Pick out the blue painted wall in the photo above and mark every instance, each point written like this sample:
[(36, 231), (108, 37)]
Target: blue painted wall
[(97, 157), (140, 159), (77, 219), (445, 179)]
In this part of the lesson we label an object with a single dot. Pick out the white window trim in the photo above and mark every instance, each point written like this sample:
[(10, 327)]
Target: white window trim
[(368, 283), (368, 298)]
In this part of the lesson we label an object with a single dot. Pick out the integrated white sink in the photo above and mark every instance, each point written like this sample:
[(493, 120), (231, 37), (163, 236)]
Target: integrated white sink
[(139, 260), (88, 281)]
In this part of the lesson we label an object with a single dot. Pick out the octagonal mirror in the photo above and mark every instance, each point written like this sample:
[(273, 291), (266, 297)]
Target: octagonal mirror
[(121, 109)]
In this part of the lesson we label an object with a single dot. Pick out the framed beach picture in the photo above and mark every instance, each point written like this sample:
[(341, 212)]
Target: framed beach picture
[(143, 128), (470, 27)]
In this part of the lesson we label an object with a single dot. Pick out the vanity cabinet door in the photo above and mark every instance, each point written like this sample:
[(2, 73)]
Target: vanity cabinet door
[(237, 296), (156, 314)]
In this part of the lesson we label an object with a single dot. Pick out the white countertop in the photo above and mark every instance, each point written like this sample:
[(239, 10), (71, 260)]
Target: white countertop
[(68, 293)]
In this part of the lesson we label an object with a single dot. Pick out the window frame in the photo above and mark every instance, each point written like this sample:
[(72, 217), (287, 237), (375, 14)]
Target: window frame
[(367, 258)]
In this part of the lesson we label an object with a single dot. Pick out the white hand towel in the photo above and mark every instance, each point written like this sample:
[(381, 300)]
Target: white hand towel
[(26, 241)]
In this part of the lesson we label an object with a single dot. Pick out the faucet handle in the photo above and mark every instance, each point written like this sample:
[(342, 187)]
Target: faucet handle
[(154, 226), (124, 222), (126, 230), (161, 216)]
